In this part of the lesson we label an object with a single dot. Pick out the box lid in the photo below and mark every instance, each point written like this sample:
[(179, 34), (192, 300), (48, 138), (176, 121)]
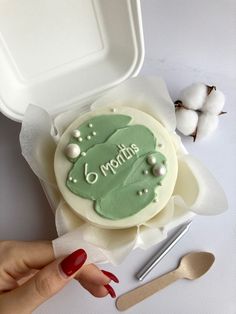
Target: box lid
[(59, 53)]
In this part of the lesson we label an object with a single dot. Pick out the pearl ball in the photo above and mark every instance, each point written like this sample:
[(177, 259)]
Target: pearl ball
[(151, 160), (72, 151), (159, 171), (76, 133)]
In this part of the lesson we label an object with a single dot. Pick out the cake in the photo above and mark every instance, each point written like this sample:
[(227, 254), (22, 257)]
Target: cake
[(116, 167)]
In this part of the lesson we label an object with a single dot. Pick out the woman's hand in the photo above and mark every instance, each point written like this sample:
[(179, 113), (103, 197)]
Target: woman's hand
[(29, 275)]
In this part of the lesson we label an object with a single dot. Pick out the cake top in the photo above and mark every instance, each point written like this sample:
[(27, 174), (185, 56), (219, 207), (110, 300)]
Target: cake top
[(116, 167)]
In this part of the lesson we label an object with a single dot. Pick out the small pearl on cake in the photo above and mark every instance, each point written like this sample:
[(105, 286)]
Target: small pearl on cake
[(70, 178), (159, 171), (76, 133), (75, 180), (145, 172), (94, 133), (80, 139), (89, 137), (162, 170), (140, 193), (151, 160), (83, 154), (90, 125), (145, 191), (72, 150)]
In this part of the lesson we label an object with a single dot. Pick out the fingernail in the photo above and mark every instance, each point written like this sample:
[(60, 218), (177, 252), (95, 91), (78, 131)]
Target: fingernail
[(110, 290), (73, 262), (110, 275)]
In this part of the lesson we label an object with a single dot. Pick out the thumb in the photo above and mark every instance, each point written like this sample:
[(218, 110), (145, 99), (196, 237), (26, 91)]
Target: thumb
[(48, 281)]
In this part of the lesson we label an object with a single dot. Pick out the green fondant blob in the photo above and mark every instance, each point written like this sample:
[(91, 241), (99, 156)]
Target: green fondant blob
[(103, 126), (102, 159), (125, 201), (112, 172), (135, 134), (137, 172)]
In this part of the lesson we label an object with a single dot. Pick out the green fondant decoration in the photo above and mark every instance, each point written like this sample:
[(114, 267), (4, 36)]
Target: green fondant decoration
[(112, 172), (124, 201), (137, 134), (103, 125), (102, 154), (137, 171), (97, 156)]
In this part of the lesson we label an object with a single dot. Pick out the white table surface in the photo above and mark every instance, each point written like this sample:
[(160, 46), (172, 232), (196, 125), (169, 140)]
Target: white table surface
[(186, 41)]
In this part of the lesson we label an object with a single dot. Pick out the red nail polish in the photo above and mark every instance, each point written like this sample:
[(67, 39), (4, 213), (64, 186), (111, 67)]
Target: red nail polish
[(73, 262), (110, 290), (110, 275)]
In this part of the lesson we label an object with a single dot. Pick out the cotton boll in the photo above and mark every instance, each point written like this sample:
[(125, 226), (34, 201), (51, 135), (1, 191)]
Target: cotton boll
[(214, 102), (186, 121), (194, 96), (207, 123)]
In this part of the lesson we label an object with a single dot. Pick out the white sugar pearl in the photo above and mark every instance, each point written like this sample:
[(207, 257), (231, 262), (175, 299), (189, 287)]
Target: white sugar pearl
[(186, 120), (90, 125), (194, 96), (206, 125), (145, 191), (70, 178), (140, 193), (76, 133), (83, 154), (94, 133), (72, 151), (215, 102), (89, 137), (159, 171), (80, 139), (151, 160), (75, 181), (145, 172)]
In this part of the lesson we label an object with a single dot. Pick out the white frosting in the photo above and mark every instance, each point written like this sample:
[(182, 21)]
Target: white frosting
[(84, 207)]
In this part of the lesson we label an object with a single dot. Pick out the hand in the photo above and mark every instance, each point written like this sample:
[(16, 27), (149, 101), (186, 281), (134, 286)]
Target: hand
[(30, 274)]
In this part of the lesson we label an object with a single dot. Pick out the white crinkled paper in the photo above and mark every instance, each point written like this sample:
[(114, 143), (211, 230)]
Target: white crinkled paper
[(196, 190)]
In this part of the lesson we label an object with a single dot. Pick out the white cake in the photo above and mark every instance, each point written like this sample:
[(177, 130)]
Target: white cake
[(116, 167)]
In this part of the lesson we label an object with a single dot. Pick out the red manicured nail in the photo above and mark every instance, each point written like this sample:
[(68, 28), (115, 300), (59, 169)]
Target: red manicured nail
[(110, 290), (110, 275), (73, 262)]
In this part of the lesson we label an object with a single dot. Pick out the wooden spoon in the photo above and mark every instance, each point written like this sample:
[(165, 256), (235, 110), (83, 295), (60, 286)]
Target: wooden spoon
[(192, 266)]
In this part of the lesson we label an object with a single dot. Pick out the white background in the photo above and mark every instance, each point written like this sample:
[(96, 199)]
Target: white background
[(186, 41)]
